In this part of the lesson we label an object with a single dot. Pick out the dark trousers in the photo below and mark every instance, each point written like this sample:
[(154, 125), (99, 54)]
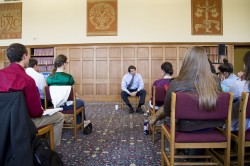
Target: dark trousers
[(142, 94)]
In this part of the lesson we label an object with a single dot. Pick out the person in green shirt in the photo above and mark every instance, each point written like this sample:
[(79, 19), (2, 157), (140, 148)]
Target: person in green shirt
[(59, 77)]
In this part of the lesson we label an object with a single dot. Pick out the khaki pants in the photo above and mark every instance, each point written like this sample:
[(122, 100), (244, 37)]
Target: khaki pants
[(56, 120)]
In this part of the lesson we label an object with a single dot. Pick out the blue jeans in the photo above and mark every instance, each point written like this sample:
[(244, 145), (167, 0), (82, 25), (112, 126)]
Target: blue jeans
[(79, 103)]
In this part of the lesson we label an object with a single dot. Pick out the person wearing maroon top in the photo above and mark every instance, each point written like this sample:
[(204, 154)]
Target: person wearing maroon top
[(14, 78), (167, 71)]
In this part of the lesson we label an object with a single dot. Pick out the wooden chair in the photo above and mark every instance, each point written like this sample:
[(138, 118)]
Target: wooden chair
[(48, 131), (185, 106), (74, 112), (136, 100), (242, 137), (159, 94)]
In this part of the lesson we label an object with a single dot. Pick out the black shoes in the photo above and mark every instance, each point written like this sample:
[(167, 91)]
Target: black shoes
[(131, 110), (139, 110)]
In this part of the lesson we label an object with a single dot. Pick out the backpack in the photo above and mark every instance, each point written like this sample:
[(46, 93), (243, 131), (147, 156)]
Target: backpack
[(43, 155), (87, 127)]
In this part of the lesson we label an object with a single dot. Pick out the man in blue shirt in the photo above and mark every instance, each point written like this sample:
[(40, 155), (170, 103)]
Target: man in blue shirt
[(132, 85)]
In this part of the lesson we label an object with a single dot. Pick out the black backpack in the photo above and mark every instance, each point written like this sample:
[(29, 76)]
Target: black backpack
[(43, 155)]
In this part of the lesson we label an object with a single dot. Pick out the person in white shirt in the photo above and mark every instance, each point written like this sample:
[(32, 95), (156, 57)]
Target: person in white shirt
[(33, 71), (237, 88), (133, 85)]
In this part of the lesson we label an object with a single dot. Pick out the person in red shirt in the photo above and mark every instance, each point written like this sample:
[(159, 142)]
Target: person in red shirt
[(14, 78)]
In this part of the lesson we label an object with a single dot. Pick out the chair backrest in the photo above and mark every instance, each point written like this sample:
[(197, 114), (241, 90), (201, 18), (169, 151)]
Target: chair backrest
[(187, 107), (47, 96), (160, 94)]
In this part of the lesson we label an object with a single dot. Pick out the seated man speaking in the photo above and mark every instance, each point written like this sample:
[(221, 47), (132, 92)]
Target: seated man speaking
[(132, 85)]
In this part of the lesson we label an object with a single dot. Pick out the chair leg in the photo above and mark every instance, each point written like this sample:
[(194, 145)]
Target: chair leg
[(51, 138), (75, 128), (241, 153), (162, 149), (122, 104), (83, 112), (153, 133)]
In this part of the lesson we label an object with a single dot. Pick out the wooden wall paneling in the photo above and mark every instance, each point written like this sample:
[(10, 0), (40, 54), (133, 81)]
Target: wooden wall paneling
[(182, 50), (171, 52), (171, 55), (102, 52), (143, 52), (156, 59), (128, 58), (102, 72), (88, 71), (88, 90), (144, 71), (128, 52), (115, 77), (115, 52), (115, 71), (75, 67), (143, 65), (101, 89), (115, 90), (230, 53), (157, 52), (1, 59), (99, 73), (156, 72), (62, 50), (6, 61)]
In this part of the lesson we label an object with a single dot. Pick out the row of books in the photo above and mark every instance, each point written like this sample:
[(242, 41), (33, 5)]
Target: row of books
[(212, 50), (215, 58), (45, 68), (45, 60), (43, 51)]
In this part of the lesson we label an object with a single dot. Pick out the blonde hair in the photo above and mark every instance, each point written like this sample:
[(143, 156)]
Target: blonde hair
[(195, 68)]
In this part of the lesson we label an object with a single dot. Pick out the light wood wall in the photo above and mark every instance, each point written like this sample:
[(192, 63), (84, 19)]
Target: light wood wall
[(98, 70)]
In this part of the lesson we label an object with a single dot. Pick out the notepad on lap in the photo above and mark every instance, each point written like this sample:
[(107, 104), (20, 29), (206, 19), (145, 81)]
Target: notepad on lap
[(51, 111)]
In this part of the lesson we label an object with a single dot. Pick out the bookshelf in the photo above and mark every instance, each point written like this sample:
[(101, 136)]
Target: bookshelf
[(214, 56), (45, 58)]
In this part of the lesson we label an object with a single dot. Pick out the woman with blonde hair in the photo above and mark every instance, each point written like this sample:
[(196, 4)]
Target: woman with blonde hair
[(195, 76)]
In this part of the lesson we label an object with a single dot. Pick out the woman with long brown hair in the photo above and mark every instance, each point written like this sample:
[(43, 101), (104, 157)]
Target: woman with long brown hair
[(195, 76), (60, 77)]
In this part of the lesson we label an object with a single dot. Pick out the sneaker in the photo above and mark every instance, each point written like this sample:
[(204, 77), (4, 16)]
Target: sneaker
[(139, 110), (131, 110)]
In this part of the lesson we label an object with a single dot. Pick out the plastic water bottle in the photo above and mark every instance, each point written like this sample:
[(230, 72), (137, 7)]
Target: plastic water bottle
[(146, 127)]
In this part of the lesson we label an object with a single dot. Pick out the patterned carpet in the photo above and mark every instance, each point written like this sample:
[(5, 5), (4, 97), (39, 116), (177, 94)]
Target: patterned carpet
[(117, 139)]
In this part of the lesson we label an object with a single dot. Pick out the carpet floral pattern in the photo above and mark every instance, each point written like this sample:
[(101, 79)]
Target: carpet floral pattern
[(117, 139)]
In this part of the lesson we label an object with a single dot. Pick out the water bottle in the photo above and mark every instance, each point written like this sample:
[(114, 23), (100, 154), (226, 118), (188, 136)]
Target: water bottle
[(146, 127)]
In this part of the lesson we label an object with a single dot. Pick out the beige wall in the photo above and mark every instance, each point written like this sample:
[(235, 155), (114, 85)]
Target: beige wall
[(64, 22)]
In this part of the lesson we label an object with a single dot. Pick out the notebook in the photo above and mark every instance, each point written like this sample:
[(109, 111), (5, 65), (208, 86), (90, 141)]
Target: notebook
[(51, 111)]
